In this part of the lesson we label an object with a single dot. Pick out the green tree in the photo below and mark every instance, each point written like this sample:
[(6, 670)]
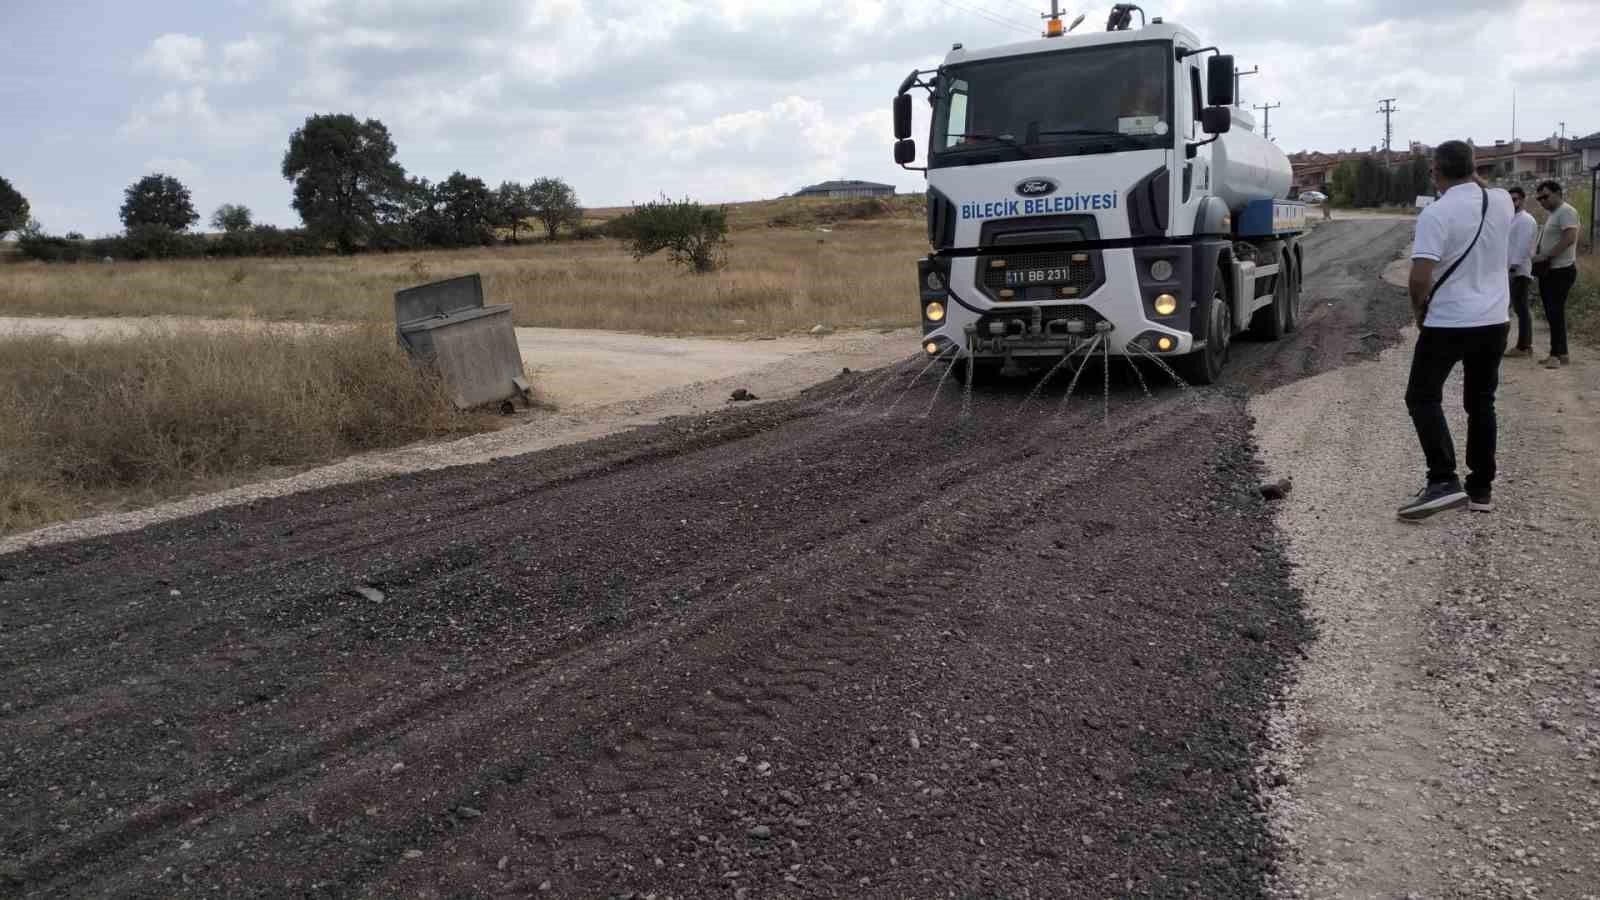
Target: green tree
[(231, 218), (553, 202), (344, 176), (512, 207), (1369, 182), (1343, 183), (693, 235), (158, 199), (468, 208), (13, 209)]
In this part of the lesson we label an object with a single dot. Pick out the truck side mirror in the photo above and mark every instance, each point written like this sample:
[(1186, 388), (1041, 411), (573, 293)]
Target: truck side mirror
[(905, 151), (902, 116), (1216, 119), (1219, 80)]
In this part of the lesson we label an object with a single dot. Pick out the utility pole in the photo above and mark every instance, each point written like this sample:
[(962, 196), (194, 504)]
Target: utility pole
[(1266, 118), (1237, 74), (1387, 109)]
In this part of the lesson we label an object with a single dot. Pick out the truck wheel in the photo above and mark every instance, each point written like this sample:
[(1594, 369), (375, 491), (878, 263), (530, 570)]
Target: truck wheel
[(1293, 319), (1271, 322), (1205, 366)]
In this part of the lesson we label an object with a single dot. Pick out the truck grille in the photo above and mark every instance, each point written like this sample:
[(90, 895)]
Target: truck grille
[(1076, 312), (1082, 267)]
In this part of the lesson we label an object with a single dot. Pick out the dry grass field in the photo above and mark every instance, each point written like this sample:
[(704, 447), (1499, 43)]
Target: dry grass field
[(779, 279), (113, 424)]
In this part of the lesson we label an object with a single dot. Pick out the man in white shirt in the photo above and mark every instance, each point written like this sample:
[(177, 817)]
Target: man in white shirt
[(1459, 299), (1556, 262), (1523, 229)]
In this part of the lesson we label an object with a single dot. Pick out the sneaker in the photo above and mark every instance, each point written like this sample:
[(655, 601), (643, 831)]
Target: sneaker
[(1433, 498), (1554, 362), (1480, 501), (1518, 352)]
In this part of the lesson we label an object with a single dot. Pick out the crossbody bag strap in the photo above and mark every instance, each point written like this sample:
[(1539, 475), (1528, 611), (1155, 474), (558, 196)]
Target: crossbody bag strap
[(1484, 214)]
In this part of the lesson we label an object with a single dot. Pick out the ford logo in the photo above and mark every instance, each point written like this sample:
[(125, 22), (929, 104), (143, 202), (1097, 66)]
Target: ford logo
[(1036, 187)]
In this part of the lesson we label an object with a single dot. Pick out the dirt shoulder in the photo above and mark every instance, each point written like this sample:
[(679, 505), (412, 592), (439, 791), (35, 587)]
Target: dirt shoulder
[(658, 386), (1441, 736), (575, 369)]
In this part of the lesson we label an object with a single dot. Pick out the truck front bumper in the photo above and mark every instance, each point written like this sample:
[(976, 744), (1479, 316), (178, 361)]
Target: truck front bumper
[(1117, 312)]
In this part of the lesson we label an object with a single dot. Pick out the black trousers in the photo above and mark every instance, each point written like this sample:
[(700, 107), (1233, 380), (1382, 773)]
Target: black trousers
[(1524, 312), (1438, 350), (1553, 289)]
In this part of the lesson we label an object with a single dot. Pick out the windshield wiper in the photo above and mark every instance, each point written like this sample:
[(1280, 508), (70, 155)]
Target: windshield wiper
[(1092, 132), (1001, 138)]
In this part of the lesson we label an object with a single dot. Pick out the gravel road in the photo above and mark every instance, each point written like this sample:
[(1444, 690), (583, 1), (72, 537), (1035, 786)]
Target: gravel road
[(1441, 737), (820, 647)]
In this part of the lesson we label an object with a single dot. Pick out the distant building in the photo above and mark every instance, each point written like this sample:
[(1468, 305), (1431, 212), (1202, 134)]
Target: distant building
[(1521, 160), (846, 189), (1515, 162), (1587, 149), (1313, 170)]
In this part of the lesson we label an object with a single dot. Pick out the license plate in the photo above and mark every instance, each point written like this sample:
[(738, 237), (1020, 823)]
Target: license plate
[(1027, 277)]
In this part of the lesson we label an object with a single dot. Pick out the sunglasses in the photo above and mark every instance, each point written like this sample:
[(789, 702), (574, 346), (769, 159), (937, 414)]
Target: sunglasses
[(1541, 197)]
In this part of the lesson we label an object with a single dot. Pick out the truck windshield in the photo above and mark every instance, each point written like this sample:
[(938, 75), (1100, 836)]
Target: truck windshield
[(1063, 103)]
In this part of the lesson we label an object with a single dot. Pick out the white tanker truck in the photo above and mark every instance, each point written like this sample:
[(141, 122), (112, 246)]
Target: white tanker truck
[(1095, 192)]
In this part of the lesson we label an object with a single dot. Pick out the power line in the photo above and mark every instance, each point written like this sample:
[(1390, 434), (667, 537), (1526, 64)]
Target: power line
[(1266, 118), (989, 17), (1239, 73), (1387, 110)]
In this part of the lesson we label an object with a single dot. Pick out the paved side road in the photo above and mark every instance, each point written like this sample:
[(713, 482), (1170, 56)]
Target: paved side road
[(826, 646)]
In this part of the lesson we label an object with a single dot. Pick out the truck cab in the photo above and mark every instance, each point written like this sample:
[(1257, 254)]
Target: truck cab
[(1097, 191)]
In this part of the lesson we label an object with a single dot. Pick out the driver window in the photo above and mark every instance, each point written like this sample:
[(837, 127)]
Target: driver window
[(958, 114), (1195, 103)]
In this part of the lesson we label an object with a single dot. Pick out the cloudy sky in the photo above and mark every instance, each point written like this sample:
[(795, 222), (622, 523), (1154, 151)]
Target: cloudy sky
[(719, 100)]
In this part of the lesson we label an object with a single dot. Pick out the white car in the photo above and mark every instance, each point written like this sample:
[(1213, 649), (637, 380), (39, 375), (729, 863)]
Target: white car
[(1313, 196)]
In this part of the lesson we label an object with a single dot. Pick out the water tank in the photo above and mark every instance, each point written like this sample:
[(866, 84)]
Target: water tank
[(1246, 167)]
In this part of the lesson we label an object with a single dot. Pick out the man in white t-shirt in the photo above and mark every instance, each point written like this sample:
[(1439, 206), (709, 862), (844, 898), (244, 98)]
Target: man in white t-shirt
[(1459, 299), (1523, 233), (1556, 263)]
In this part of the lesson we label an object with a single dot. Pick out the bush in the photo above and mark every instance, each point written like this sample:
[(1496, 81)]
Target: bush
[(693, 235)]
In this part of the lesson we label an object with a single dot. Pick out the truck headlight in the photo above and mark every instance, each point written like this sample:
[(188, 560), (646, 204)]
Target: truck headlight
[(933, 281), (1166, 304), (1161, 270), (934, 311)]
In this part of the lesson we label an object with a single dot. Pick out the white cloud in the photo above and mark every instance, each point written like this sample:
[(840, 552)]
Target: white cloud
[(184, 57), (243, 61), (180, 57), (186, 115)]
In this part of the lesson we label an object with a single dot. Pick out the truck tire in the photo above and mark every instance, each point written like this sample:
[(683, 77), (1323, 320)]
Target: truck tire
[(1271, 322), (1294, 297), (1205, 366)]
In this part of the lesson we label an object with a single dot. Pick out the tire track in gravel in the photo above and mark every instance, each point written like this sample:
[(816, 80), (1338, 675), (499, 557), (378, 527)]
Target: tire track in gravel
[(431, 695), (575, 649)]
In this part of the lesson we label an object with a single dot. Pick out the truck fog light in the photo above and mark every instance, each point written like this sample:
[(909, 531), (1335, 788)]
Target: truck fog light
[(1165, 343), (1161, 270), (1166, 305), (932, 347), (934, 311), (934, 282)]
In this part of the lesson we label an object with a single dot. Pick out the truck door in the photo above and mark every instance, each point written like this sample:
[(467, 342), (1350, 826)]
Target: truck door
[(1196, 180)]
